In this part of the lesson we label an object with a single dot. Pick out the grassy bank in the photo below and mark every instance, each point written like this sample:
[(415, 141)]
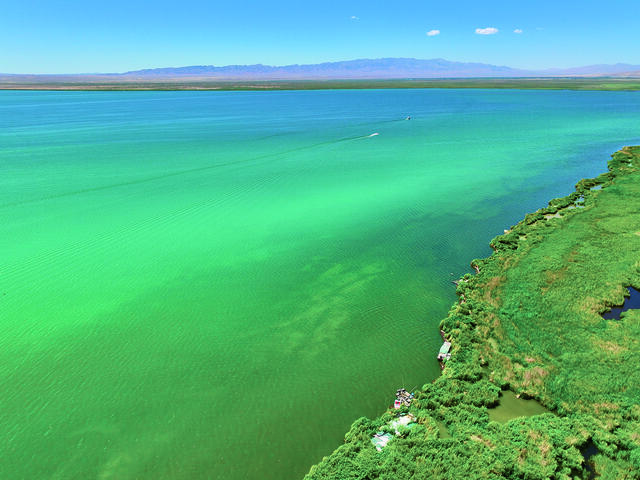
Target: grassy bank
[(114, 83), (529, 321)]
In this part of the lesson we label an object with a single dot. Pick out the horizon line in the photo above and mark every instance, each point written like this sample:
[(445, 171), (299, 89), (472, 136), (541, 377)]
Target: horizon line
[(266, 65)]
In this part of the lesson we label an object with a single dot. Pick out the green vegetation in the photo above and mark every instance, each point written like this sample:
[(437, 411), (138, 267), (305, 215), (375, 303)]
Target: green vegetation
[(529, 321), (196, 83)]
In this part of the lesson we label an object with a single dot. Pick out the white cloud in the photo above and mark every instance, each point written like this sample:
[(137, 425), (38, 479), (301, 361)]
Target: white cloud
[(517, 30), (433, 33), (353, 17), (486, 31)]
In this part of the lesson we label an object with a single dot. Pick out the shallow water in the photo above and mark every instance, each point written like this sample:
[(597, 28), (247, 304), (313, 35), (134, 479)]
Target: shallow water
[(216, 284), (511, 407), (443, 431)]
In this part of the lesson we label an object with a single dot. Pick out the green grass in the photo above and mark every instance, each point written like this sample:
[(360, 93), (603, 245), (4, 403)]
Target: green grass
[(530, 321), (88, 83)]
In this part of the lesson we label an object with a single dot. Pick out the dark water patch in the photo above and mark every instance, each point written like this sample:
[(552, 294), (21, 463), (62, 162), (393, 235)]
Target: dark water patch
[(511, 407), (587, 452), (631, 302)]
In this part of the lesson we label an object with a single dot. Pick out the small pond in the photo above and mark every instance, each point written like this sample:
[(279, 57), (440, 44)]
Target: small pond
[(442, 429), (587, 452), (630, 303), (513, 407)]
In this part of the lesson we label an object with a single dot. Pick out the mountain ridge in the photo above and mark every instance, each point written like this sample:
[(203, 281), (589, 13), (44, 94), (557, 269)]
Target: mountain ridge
[(381, 68), (358, 69), (390, 67)]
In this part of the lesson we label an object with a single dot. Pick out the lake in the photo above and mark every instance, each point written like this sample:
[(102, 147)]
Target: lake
[(204, 285)]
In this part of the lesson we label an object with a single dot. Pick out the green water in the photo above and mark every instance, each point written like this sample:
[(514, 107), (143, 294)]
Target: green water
[(201, 285), (511, 407)]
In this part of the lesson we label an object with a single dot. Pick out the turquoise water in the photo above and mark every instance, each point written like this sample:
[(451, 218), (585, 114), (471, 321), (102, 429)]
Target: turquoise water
[(201, 285)]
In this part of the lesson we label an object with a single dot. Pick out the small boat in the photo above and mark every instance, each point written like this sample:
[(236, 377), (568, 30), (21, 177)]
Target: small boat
[(444, 354)]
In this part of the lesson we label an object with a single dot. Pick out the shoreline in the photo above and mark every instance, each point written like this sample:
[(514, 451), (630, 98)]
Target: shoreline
[(203, 84), (528, 321)]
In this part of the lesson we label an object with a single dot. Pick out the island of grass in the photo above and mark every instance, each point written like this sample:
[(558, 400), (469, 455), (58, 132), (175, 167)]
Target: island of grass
[(529, 325)]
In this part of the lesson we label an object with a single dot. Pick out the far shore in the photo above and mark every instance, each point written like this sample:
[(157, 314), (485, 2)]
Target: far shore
[(18, 82)]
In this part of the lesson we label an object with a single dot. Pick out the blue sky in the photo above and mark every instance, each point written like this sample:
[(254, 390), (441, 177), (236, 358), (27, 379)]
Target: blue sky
[(52, 36)]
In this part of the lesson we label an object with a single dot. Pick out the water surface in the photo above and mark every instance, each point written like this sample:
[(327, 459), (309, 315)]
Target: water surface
[(201, 285), (631, 302), (511, 406)]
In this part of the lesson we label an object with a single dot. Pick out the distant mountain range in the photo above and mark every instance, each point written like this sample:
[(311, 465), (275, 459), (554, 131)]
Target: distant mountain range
[(382, 68), (350, 69)]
